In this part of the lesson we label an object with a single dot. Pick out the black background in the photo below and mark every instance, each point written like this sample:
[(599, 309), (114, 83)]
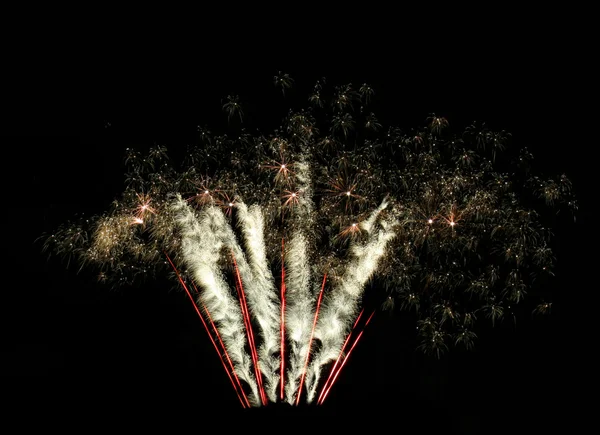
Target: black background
[(89, 354)]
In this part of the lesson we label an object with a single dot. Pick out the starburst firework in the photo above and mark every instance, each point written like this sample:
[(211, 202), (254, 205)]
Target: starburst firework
[(277, 242)]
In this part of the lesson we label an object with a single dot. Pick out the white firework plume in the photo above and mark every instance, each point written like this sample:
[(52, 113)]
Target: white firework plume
[(262, 294), (298, 283), (341, 305), (299, 312), (202, 239)]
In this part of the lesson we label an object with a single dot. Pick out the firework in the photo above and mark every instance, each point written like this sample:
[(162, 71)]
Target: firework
[(276, 237)]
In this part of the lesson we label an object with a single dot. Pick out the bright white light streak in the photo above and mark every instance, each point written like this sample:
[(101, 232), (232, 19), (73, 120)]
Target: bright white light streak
[(260, 290), (201, 249), (300, 307), (341, 305), (299, 310)]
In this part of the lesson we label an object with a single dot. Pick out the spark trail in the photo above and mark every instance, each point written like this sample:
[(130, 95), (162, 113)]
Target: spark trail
[(334, 372), (200, 248), (342, 303), (339, 358), (282, 323), (249, 332), (229, 370), (312, 333)]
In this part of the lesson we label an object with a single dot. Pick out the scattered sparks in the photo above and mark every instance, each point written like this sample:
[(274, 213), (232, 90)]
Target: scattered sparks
[(425, 214)]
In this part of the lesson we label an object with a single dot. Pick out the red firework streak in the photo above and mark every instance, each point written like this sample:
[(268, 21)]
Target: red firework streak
[(223, 347), (240, 392), (325, 391), (244, 307), (311, 339), (337, 361), (282, 323)]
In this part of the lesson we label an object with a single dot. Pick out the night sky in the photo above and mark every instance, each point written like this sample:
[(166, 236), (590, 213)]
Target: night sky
[(77, 347)]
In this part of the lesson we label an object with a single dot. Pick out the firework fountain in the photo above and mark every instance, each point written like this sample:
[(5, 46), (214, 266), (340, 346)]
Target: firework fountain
[(275, 237)]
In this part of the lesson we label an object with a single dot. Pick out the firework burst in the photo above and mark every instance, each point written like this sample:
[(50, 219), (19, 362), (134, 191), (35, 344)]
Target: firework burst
[(277, 241)]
